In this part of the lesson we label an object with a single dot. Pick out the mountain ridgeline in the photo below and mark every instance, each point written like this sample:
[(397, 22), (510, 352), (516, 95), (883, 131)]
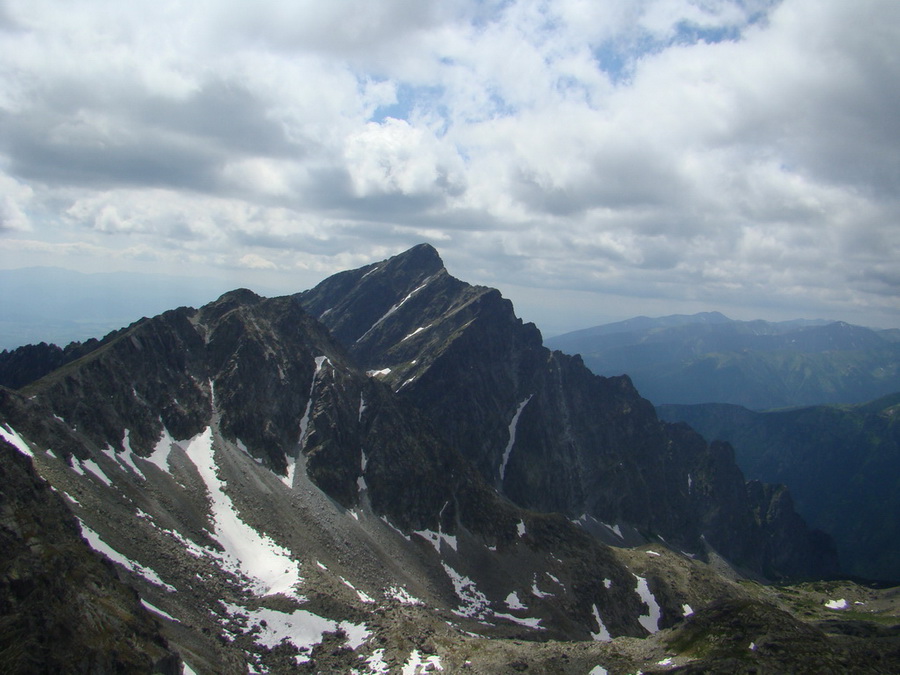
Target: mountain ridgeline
[(238, 444), (539, 426), (388, 471), (707, 357)]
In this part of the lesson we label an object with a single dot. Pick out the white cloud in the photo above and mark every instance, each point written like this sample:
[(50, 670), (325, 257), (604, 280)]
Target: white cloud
[(14, 204), (257, 262), (395, 157), (716, 151)]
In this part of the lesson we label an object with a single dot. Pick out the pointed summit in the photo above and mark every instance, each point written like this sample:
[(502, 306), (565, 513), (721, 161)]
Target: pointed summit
[(354, 303), (422, 256), (538, 425), (418, 262)]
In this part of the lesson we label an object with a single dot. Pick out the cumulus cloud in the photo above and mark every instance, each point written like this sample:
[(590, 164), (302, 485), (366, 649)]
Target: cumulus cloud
[(14, 204), (257, 262), (394, 157), (737, 153)]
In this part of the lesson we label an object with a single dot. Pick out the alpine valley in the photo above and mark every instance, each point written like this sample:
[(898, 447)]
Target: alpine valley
[(389, 473)]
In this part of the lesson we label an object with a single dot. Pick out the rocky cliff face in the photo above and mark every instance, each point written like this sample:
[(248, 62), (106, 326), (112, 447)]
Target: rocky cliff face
[(537, 424), (839, 462)]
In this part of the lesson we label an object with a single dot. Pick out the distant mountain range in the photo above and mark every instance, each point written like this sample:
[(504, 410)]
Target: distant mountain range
[(390, 473), (704, 358), (842, 464)]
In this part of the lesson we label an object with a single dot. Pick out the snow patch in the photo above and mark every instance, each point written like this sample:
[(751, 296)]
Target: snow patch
[(361, 480), (395, 308), (837, 604), (395, 528), (686, 610), (187, 544), (160, 455), (473, 603), (127, 457), (653, 553), (649, 621), (512, 436), (415, 664), (436, 538), (290, 470), (602, 635), (378, 373), (157, 610), (304, 421), (615, 529), (11, 437), (95, 469), (416, 332), (247, 551), (364, 597), (598, 670), (513, 602), (409, 381), (243, 448), (375, 664), (521, 528), (371, 271), (304, 630), (402, 596), (537, 592), (528, 622), (97, 543)]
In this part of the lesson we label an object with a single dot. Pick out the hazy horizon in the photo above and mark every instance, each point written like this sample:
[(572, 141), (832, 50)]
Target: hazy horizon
[(90, 305)]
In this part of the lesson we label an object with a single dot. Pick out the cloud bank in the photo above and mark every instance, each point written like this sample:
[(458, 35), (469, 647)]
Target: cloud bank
[(588, 158)]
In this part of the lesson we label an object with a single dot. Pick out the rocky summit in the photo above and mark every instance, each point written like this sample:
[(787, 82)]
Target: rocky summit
[(545, 431), (387, 473)]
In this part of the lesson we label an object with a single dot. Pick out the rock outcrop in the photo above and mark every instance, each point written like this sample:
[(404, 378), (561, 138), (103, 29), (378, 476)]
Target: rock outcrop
[(62, 607)]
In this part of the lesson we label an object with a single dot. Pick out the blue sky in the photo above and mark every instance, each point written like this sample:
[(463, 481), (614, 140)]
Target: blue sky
[(593, 159)]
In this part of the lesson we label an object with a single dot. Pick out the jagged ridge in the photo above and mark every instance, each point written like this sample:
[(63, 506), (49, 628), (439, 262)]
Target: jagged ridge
[(538, 425)]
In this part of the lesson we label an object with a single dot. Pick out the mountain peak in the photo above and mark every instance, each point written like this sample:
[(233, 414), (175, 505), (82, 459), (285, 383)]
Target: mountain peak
[(423, 256), (358, 301)]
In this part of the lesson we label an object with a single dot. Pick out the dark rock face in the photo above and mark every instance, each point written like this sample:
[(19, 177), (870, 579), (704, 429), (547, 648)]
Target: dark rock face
[(537, 424), (839, 462), (782, 526), (28, 363), (62, 609)]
